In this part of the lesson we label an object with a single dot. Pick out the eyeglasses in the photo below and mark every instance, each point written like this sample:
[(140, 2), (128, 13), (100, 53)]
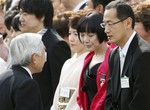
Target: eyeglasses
[(103, 25)]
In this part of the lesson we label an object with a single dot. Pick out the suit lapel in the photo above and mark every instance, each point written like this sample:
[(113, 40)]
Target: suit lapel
[(129, 55), (128, 60)]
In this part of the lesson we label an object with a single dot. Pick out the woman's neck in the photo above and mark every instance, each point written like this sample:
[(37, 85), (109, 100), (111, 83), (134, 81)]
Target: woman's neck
[(101, 50), (99, 54)]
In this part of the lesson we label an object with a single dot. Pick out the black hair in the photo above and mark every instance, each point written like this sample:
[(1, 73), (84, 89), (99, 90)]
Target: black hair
[(91, 24), (16, 23), (123, 10), (9, 17), (40, 8)]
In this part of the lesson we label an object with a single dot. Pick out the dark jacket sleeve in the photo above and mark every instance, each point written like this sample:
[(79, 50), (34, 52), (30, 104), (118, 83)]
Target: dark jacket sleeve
[(141, 89), (60, 53), (108, 99)]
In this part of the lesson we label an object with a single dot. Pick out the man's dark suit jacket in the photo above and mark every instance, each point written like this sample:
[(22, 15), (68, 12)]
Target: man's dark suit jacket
[(58, 52), (18, 91), (137, 69)]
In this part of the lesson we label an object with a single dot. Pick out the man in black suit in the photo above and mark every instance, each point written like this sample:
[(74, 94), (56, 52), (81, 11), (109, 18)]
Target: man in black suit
[(18, 90), (129, 72), (36, 16)]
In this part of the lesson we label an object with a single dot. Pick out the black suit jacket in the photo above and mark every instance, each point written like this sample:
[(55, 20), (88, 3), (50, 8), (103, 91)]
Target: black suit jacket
[(18, 91), (58, 52), (137, 69)]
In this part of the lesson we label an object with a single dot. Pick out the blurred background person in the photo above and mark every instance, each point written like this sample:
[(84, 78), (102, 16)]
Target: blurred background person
[(2, 14), (14, 5), (56, 5), (72, 5), (97, 5), (18, 89), (61, 24), (7, 5), (3, 39), (3, 54), (133, 3), (16, 26), (142, 20), (9, 18), (2, 24)]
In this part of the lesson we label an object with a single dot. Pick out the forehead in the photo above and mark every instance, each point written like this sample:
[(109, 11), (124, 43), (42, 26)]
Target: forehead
[(110, 14)]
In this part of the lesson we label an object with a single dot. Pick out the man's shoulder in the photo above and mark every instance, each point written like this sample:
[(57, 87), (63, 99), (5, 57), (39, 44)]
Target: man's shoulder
[(6, 76), (51, 36), (143, 44)]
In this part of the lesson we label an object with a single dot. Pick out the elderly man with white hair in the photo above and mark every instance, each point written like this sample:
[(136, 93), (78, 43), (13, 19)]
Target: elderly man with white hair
[(18, 90)]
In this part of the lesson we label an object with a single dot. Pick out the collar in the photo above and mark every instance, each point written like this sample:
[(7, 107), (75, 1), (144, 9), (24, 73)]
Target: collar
[(27, 69), (126, 46), (42, 32)]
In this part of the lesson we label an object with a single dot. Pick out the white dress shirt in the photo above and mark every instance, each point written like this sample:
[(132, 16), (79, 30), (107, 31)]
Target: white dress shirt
[(123, 51), (27, 69)]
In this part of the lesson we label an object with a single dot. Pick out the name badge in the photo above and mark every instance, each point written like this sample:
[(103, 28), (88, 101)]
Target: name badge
[(64, 92), (102, 79), (125, 82)]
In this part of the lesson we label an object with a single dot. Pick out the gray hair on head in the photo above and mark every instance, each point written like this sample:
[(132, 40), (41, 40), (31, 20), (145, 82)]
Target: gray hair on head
[(23, 46)]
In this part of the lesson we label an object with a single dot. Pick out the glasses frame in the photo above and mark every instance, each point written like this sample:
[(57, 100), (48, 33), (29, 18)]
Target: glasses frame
[(103, 25)]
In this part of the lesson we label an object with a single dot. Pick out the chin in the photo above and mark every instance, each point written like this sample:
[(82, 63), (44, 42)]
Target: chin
[(111, 41)]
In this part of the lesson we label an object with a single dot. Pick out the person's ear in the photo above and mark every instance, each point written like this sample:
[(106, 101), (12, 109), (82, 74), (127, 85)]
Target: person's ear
[(128, 22), (34, 58), (100, 8)]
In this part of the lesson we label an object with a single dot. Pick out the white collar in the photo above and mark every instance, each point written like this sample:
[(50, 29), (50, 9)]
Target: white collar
[(27, 69), (126, 46), (42, 32)]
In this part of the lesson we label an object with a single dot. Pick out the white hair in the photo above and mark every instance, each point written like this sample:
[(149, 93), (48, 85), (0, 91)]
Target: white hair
[(23, 46)]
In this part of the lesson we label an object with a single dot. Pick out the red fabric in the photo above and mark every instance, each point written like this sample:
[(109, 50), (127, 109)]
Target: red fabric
[(99, 98), (82, 99)]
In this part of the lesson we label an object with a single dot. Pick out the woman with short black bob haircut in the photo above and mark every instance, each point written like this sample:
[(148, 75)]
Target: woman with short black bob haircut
[(92, 85), (91, 24)]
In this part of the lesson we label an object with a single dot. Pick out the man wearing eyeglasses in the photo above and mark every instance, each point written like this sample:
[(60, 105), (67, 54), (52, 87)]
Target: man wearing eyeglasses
[(129, 72)]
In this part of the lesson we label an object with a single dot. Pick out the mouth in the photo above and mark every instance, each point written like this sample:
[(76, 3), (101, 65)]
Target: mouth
[(88, 46), (22, 24)]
